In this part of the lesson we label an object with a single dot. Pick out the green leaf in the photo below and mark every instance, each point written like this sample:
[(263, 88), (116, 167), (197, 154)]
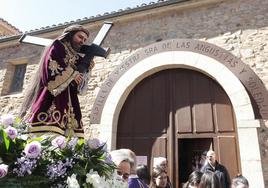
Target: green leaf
[(80, 142), (77, 169), (39, 139), (6, 139), (87, 185), (17, 120), (20, 144)]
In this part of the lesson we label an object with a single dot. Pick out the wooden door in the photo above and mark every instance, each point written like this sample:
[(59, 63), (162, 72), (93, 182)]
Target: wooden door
[(144, 119), (171, 107)]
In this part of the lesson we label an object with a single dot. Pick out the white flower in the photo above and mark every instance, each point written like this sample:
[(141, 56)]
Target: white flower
[(33, 149), (59, 142), (23, 137), (90, 175), (3, 170), (11, 132), (7, 120), (117, 182), (94, 178), (72, 182)]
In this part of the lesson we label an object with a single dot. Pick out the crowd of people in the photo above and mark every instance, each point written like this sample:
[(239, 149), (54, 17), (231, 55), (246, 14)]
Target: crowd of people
[(140, 176), (209, 179), (210, 175)]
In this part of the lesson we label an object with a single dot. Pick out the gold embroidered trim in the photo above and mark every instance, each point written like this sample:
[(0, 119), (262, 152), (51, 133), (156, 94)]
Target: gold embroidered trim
[(70, 60), (69, 48), (71, 55), (60, 79), (43, 118), (54, 67), (54, 122), (61, 82), (65, 85), (45, 128)]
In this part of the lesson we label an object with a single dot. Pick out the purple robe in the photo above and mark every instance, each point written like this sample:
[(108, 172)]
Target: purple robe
[(135, 182), (56, 108)]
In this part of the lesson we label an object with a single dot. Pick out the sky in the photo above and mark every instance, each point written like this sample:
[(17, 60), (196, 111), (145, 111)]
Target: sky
[(28, 15)]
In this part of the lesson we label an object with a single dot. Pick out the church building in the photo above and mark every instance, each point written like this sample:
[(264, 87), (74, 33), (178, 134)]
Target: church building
[(183, 77)]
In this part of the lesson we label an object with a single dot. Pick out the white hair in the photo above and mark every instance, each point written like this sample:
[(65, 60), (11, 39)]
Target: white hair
[(158, 161), (119, 156), (128, 155)]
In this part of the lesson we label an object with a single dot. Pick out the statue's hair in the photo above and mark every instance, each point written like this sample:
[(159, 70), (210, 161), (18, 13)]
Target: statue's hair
[(32, 91)]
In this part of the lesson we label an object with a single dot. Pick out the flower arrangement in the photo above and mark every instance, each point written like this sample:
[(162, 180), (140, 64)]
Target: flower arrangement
[(52, 161)]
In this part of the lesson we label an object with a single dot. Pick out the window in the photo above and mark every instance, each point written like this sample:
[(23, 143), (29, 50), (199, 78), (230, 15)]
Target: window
[(18, 78)]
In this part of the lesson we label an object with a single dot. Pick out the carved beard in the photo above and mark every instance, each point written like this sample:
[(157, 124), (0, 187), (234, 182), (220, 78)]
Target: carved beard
[(75, 46)]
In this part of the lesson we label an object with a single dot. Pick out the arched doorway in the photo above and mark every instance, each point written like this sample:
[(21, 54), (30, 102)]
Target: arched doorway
[(179, 113), (236, 78)]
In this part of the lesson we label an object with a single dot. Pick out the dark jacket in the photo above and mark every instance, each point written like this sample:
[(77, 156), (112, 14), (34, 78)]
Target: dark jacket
[(221, 173)]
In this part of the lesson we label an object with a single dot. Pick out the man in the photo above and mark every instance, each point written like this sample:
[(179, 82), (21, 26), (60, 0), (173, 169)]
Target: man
[(123, 170), (52, 102), (124, 158), (123, 164), (134, 181), (160, 162), (214, 166)]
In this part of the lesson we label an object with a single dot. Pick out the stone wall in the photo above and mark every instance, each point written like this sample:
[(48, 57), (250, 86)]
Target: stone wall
[(239, 26)]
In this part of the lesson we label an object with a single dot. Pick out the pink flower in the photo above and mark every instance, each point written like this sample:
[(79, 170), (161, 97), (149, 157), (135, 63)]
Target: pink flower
[(33, 149), (3, 170), (59, 142), (7, 120), (11, 132)]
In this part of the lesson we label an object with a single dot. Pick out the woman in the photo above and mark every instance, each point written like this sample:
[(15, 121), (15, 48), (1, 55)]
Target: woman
[(209, 180), (240, 182), (143, 173), (193, 180), (159, 178), (162, 162)]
